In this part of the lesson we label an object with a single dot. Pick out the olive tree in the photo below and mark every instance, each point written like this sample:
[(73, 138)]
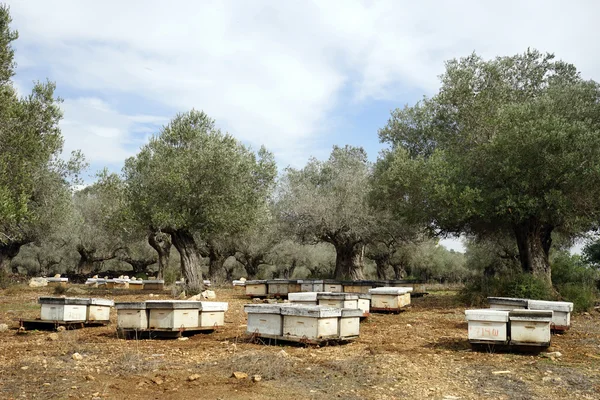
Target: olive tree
[(193, 179), (328, 201), (509, 145)]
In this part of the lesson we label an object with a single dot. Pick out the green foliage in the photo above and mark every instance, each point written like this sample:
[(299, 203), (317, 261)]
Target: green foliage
[(575, 280), (591, 253), (518, 285)]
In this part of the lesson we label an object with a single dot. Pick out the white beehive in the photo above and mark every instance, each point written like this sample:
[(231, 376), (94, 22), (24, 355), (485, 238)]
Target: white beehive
[(54, 282), (364, 303), (389, 298), (65, 309), (349, 323), (507, 303), (99, 309), (561, 316), (277, 287), (487, 326), (530, 327), (256, 288), (318, 286), (136, 285), (212, 313), (173, 314), (310, 322), (132, 315), (333, 287), (154, 284), (305, 298), (264, 319), (294, 286), (339, 300)]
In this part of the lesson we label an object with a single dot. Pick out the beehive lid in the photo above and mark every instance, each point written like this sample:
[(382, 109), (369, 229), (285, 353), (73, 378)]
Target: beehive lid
[(101, 302), (277, 281), (351, 313), (73, 301), (366, 296), (136, 282), (508, 301), (173, 304), (391, 290), (561, 306), (312, 311), (256, 282), (213, 306), (531, 315), (57, 279), (487, 314), (262, 309), (337, 296), (303, 296), (139, 305), (153, 281)]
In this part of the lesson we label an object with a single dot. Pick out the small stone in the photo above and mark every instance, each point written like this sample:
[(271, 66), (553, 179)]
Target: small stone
[(46, 384), (158, 380), (256, 300), (449, 397), (77, 357), (73, 387), (552, 354), (256, 378), (500, 372), (61, 329), (239, 375), (408, 325), (194, 377), (182, 338), (89, 378), (96, 394), (3, 327), (52, 337), (25, 368), (272, 301), (283, 354)]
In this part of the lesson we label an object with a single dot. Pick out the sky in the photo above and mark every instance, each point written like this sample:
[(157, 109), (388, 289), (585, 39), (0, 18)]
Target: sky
[(295, 76)]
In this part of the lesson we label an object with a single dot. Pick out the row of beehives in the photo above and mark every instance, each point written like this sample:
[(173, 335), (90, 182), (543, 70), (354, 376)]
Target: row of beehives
[(127, 283), (282, 287), (170, 314), (74, 309), (520, 322)]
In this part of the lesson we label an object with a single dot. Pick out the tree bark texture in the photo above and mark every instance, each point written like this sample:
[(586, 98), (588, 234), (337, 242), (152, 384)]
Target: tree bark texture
[(534, 241), (7, 253), (190, 260), (349, 261), (161, 242)]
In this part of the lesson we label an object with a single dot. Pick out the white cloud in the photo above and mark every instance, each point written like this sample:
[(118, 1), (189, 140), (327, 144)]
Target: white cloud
[(271, 72)]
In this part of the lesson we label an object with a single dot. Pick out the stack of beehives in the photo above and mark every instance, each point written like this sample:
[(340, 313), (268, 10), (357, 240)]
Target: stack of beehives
[(75, 309)]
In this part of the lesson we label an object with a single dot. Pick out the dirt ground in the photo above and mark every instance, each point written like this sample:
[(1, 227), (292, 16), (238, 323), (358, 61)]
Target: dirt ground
[(420, 353)]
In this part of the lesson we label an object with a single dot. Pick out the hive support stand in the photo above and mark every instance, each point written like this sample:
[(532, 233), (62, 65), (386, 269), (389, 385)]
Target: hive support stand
[(31, 324)]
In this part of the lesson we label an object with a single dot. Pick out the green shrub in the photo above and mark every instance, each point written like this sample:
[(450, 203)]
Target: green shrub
[(583, 297), (476, 291)]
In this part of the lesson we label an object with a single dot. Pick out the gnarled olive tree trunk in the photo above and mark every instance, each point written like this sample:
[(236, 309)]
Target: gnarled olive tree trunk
[(349, 261), (161, 242), (534, 241), (9, 251), (185, 244)]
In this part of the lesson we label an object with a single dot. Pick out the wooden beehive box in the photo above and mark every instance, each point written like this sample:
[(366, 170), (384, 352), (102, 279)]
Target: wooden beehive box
[(294, 286), (55, 282), (349, 323), (256, 288), (277, 287), (212, 313), (311, 322), (98, 310), (264, 319), (304, 298), (487, 326), (132, 315), (332, 286), (64, 309), (339, 300), (154, 284), (530, 327), (389, 298), (507, 303), (561, 312), (364, 303), (173, 314)]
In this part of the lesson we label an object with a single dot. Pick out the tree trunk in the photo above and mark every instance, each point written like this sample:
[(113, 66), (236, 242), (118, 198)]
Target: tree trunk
[(381, 264), (399, 271), (86, 261), (190, 260), (349, 261), (161, 242), (215, 264), (7, 253), (533, 241)]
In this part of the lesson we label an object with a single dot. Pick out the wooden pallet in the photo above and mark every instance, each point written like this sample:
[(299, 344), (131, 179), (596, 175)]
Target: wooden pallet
[(388, 310), (263, 338), (31, 324), (162, 333)]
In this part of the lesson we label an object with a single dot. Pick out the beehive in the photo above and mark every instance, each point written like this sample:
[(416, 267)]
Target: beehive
[(311, 322), (55, 282), (132, 315), (212, 313), (136, 285), (99, 309), (349, 323), (530, 327), (507, 303), (332, 286), (173, 314), (561, 312), (487, 326), (277, 287), (65, 309), (294, 286), (357, 286), (264, 319), (389, 298), (364, 303), (304, 298), (154, 284), (339, 300), (256, 288)]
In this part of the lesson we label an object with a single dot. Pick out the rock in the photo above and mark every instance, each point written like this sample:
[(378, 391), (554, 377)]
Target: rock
[(256, 300), (89, 378), (61, 329), (197, 297), (239, 375), (500, 372), (76, 290), (449, 397), (181, 296), (256, 378), (272, 301), (242, 279), (194, 377), (182, 338), (283, 354), (77, 357), (38, 282), (158, 380), (52, 337), (3, 327), (57, 276), (408, 325), (552, 354), (25, 368), (208, 294)]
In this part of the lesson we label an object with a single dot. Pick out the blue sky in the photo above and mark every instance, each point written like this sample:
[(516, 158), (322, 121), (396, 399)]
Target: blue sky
[(297, 76)]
